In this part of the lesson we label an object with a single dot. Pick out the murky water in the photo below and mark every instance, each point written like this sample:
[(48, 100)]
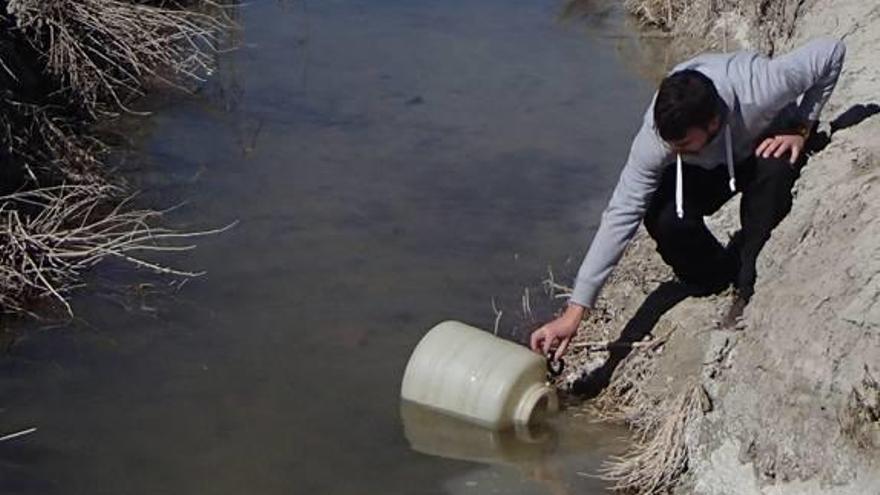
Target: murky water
[(390, 164)]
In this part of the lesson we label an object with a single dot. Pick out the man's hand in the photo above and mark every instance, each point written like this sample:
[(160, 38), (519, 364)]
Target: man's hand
[(777, 146), (558, 333)]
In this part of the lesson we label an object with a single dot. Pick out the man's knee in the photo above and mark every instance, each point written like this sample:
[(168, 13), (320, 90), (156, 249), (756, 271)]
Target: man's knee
[(776, 170), (662, 222)]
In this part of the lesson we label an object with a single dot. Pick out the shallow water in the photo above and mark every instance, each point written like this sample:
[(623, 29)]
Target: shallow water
[(390, 164)]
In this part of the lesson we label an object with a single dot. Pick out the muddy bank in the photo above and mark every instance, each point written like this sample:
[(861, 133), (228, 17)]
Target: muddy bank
[(790, 402)]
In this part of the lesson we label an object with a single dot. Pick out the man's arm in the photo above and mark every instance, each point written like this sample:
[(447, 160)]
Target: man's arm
[(809, 72), (638, 181), (815, 67)]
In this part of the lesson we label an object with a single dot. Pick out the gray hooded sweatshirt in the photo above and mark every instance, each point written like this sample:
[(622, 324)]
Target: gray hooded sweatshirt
[(754, 90)]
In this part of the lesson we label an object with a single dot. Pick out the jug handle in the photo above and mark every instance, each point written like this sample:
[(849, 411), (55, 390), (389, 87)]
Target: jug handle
[(555, 367)]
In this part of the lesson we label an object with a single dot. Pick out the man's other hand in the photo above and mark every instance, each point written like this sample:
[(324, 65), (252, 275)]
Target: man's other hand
[(558, 333), (777, 146)]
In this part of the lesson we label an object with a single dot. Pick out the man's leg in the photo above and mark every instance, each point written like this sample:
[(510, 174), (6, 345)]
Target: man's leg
[(686, 244), (765, 202)]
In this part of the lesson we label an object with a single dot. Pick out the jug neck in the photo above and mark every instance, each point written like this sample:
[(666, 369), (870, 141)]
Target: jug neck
[(536, 401)]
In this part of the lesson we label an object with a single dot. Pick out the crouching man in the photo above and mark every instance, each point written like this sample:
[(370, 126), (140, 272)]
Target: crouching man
[(715, 127)]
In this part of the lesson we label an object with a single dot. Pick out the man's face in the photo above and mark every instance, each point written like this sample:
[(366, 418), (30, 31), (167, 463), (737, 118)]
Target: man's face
[(696, 138)]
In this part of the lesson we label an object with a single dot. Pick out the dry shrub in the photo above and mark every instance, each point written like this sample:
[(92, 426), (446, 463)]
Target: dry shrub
[(50, 145), (625, 398), (658, 13), (64, 65), (701, 25), (104, 50), (656, 461), (658, 456), (49, 236)]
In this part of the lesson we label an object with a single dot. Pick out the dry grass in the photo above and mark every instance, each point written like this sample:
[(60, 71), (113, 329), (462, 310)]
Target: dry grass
[(64, 65), (105, 50), (712, 25), (50, 145), (658, 13), (69, 62), (656, 461), (659, 417), (625, 399), (49, 236)]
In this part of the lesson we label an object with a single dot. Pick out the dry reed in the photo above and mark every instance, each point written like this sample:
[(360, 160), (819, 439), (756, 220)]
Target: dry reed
[(658, 13), (49, 236), (64, 65), (655, 463), (50, 145), (105, 50)]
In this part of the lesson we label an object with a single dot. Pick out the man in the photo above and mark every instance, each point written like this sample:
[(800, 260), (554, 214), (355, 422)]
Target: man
[(715, 127)]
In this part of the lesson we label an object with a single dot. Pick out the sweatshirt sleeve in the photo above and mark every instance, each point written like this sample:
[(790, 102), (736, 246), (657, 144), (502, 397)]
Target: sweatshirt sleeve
[(637, 183), (811, 70)]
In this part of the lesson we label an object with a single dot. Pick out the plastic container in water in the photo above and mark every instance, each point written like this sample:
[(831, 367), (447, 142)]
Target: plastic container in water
[(471, 374)]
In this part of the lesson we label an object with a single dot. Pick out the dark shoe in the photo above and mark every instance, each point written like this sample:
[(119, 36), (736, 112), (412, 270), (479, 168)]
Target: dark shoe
[(733, 318)]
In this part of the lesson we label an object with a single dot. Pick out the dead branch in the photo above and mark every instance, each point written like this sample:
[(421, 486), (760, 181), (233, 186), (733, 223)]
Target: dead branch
[(68, 229), (105, 50)]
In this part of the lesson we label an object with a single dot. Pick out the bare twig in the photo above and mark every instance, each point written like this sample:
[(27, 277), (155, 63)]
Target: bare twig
[(68, 229), (105, 50), (17, 434), (498, 314)]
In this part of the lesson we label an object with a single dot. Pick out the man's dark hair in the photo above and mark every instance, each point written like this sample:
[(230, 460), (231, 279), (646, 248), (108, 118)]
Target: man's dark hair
[(685, 99)]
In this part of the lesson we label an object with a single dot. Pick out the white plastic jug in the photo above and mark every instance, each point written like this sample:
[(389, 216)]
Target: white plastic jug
[(471, 374)]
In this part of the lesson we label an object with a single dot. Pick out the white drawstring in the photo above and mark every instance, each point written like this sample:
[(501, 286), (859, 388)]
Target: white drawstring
[(679, 179), (679, 189), (729, 143)]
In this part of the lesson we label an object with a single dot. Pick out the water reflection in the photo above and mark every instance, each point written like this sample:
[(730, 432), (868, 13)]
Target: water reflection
[(433, 433), (647, 52), (546, 456)]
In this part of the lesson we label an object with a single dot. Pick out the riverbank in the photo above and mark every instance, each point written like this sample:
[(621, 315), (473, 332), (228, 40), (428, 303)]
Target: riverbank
[(789, 402)]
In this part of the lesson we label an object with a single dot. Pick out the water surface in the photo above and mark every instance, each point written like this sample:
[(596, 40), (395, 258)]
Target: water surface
[(390, 164)]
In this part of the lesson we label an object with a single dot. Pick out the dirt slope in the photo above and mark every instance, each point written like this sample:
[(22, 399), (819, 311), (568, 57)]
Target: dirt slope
[(790, 403)]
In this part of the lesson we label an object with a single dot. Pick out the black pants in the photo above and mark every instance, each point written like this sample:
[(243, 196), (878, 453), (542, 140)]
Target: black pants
[(686, 244)]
